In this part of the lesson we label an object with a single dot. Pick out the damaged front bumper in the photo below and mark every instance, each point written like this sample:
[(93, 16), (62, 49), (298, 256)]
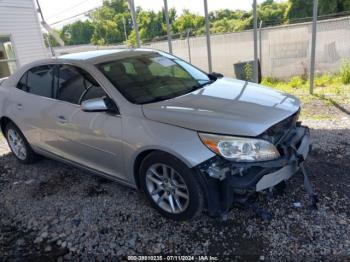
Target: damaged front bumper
[(226, 182), (300, 147)]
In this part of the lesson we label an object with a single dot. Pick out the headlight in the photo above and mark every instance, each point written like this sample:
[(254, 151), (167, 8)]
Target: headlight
[(240, 149)]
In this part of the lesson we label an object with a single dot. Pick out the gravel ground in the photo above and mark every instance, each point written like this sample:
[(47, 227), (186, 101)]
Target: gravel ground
[(49, 212)]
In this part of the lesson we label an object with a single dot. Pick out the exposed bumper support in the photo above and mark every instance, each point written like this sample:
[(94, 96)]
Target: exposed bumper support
[(296, 159), (227, 183), (277, 177)]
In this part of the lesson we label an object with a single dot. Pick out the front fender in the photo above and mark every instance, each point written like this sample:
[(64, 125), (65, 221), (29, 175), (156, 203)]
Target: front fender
[(142, 135)]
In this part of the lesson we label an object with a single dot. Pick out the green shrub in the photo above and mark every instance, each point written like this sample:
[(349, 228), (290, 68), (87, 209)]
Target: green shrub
[(270, 81), (248, 72), (345, 72), (296, 82), (323, 80)]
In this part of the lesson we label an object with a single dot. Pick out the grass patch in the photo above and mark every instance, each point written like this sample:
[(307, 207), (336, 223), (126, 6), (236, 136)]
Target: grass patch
[(345, 72), (330, 90), (306, 114)]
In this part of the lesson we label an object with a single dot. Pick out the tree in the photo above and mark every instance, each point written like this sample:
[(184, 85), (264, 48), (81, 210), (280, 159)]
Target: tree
[(272, 13), (225, 20), (298, 9), (226, 13), (77, 33), (49, 40), (188, 20), (108, 22), (152, 25)]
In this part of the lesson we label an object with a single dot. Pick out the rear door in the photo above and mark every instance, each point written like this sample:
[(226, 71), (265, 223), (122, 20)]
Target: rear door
[(93, 139), (31, 100)]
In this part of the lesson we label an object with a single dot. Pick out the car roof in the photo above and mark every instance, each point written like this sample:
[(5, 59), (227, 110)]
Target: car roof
[(91, 57), (98, 56), (91, 54)]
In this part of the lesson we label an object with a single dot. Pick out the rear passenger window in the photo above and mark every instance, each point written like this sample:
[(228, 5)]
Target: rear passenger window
[(22, 84), (40, 81), (75, 85)]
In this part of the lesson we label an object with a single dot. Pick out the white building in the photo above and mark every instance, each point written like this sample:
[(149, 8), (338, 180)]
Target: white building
[(21, 39)]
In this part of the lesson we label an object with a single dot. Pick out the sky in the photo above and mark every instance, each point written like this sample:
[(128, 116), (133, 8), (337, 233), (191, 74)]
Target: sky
[(55, 11)]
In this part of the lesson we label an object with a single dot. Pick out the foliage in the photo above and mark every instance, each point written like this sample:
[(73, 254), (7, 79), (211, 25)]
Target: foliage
[(109, 21), (112, 23), (189, 20), (272, 13), (345, 72), (248, 71), (295, 82), (328, 87), (270, 81), (225, 20), (303, 8), (49, 40), (323, 80), (299, 9), (77, 33)]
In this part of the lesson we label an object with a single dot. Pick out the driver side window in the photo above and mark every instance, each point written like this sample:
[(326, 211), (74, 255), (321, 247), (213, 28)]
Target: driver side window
[(76, 85)]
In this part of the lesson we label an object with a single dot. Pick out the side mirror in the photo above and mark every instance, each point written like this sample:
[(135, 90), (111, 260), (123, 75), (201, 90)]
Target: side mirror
[(102, 104), (214, 76), (94, 105)]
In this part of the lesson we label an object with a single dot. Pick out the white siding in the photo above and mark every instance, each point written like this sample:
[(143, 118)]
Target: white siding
[(19, 20), (16, 3)]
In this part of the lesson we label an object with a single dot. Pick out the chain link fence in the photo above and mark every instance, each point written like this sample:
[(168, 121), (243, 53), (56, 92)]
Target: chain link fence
[(285, 50)]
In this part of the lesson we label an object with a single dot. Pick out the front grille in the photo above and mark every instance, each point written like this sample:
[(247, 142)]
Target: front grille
[(277, 131)]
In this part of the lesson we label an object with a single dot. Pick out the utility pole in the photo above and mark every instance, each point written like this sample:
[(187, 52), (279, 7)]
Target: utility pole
[(313, 47), (166, 13), (256, 63), (188, 44), (48, 27), (207, 30), (260, 43), (136, 26)]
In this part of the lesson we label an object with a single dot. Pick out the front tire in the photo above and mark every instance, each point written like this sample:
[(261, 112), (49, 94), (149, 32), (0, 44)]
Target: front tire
[(19, 145), (171, 187)]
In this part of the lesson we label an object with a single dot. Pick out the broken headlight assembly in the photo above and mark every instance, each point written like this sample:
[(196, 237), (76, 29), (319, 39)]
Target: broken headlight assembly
[(240, 149)]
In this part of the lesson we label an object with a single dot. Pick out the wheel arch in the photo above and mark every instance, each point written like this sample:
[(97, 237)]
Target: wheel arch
[(146, 152), (3, 122)]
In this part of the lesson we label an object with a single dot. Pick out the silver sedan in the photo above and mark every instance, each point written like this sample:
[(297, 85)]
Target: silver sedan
[(189, 140)]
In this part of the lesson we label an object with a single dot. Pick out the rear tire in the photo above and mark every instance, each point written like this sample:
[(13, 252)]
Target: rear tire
[(171, 187), (19, 145)]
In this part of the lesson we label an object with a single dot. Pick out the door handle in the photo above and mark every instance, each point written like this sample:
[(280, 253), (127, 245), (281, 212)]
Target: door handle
[(19, 106), (62, 119)]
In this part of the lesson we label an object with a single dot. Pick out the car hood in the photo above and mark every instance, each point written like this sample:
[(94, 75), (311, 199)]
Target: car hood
[(227, 106)]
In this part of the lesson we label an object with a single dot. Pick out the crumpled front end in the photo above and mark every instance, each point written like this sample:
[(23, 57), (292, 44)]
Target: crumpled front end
[(227, 182)]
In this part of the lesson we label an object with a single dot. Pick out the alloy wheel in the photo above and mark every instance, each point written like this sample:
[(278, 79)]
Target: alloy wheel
[(167, 188), (17, 144)]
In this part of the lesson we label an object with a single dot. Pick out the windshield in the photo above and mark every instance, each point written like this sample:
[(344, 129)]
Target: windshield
[(149, 77)]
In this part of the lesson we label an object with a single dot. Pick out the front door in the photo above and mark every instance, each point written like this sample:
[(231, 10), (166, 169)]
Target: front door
[(93, 139)]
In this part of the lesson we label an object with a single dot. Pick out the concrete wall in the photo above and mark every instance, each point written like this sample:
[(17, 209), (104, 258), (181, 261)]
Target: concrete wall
[(285, 49)]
